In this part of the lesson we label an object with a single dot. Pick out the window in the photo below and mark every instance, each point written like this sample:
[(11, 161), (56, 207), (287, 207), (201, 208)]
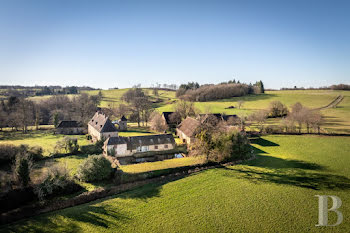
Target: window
[(145, 148), (156, 147), (165, 146), (138, 149)]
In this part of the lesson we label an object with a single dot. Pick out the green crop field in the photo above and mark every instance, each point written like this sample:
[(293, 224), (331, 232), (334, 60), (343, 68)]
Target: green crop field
[(274, 193)]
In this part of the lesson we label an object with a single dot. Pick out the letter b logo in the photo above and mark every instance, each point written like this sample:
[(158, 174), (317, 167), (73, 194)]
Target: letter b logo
[(323, 210)]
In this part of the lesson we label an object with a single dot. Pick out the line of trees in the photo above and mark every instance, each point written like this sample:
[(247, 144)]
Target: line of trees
[(27, 91), (209, 92), (344, 87), (19, 113), (292, 121)]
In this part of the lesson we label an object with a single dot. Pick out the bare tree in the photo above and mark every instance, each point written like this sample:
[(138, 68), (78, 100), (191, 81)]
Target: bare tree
[(185, 109), (240, 104), (260, 118), (175, 118), (121, 110), (157, 122)]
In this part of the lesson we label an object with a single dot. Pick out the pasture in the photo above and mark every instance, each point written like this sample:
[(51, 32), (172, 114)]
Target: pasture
[(44, 138), (273, 193)]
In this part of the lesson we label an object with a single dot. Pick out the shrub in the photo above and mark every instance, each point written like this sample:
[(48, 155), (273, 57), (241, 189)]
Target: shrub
[(55, 181), (22, 168), (92, 149), (35, 153), (277, 109), (70, 145), (94, 168), (8, 153)]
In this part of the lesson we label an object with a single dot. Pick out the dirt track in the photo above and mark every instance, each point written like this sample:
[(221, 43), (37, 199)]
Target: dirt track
[(332, 104)]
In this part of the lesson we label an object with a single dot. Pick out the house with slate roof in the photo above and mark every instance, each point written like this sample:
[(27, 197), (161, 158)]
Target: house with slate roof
[(139, 148), (101, 127)]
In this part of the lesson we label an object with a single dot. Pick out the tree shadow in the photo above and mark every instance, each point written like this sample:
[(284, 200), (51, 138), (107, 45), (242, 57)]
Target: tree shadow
[(250, 97), (265, 161), (263, 142), (98, 216), (294, 177)]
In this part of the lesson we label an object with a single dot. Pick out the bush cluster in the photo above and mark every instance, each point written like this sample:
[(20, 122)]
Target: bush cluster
[(94, 168), (8, 152), (215, 92), (94, 149), (55, 181), (221, 145)]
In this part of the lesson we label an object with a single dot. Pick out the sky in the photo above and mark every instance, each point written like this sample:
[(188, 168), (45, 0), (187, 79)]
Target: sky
[(106, 44)]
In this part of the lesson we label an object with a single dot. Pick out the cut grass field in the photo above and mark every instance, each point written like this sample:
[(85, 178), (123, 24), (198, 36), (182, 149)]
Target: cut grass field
[(274, 193)]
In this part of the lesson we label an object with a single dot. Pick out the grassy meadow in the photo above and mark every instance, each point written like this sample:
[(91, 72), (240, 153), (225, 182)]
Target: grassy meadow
[(44, 138), (273, 193)]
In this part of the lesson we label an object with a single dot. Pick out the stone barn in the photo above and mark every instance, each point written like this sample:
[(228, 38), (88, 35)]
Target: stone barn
[(70, 127), (186, 129)]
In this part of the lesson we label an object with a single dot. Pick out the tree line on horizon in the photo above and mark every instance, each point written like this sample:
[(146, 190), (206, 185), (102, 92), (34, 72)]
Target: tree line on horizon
[(192, 91)]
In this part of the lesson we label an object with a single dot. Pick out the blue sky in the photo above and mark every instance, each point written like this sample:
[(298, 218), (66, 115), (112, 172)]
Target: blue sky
[(121, 43)]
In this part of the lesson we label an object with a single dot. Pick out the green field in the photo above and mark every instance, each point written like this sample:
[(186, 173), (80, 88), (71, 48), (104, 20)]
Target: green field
[(274, 193), (44, 138), (112, 98)]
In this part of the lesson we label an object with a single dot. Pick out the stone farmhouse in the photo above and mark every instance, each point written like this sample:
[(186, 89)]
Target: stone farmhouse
[(140, 148), (70, 128), (101, 127)]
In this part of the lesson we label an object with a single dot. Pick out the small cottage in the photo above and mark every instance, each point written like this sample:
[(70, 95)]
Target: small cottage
[(70, 128), (101, 127)]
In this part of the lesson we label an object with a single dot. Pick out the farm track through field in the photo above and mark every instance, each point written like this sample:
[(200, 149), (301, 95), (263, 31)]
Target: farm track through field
[(332, 104)]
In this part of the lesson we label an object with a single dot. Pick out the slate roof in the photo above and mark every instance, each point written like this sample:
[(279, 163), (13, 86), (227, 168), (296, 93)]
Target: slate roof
[(166, 116), (219, 116), (69, 124), (123, 118), (102, 123), (189, 126), (135, 141)]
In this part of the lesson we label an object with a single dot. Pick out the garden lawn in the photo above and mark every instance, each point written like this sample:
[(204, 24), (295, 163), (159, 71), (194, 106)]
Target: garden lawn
[(274, 193)]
